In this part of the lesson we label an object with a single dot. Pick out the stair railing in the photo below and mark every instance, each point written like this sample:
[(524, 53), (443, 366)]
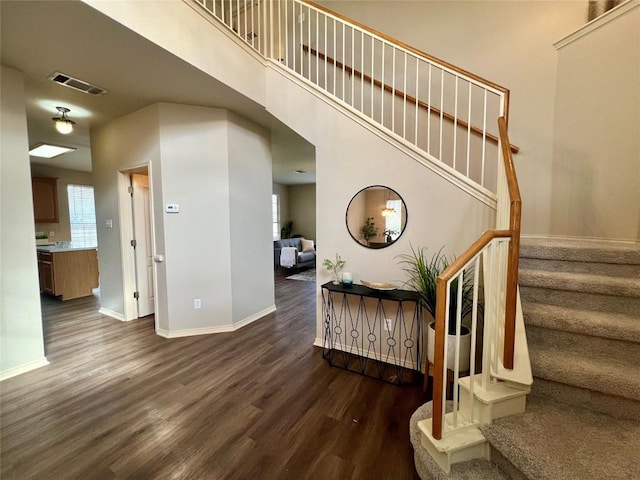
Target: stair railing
[(499, 250), (444, 112)]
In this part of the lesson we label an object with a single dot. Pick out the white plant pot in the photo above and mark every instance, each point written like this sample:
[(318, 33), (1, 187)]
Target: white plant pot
[(465, 347)]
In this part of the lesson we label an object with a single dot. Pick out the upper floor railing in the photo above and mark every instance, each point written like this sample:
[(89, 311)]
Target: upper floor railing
[(443, 111)]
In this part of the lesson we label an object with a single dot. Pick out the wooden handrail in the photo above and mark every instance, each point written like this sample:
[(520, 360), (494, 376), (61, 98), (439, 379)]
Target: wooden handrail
[(398, 93), (515, 216), (452, 270), (414, 50)]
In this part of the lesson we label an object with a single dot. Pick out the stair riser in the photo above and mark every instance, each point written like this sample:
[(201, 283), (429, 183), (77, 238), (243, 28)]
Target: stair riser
[(487, 413), (614, 286), (599, 364), (581, 300), (621, 254), (594, 268), (614, 406), (626, 353), (583, 322), (506, 466)]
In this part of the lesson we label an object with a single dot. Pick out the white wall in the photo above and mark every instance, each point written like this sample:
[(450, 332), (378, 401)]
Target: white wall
[(596, 157), (250, 218), (21, 342), (195, 161), (194, 37), (349, 157), (510, 43)]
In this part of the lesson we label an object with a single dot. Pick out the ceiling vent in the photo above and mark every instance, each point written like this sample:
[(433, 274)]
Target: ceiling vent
[(69, 81)]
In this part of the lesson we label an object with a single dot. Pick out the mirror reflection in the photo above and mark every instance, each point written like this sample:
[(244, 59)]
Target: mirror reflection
[(376, 216)]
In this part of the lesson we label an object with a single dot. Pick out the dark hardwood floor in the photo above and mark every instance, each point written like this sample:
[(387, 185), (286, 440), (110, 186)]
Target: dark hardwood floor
[(120, 402)]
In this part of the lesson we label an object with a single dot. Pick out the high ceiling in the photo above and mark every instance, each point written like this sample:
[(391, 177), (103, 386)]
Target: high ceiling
[(39, 38)]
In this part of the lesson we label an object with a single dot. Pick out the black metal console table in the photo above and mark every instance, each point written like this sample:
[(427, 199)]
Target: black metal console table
[(386, 345)]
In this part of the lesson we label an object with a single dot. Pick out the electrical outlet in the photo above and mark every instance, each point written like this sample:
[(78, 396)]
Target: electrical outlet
[(388, 324), (52, 234), (197, 303)]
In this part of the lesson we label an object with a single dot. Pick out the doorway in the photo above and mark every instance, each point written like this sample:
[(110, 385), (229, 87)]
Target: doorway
[(137, 242)]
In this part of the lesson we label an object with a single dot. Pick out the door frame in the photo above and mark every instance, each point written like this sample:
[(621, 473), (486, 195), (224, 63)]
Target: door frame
[(127, 253)]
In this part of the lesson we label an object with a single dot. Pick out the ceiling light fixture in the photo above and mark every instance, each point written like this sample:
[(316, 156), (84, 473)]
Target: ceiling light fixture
[(46, 150), (63, 124), (387, 211)]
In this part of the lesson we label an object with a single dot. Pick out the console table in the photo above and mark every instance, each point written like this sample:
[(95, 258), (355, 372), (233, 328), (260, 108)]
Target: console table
[(373, 332)]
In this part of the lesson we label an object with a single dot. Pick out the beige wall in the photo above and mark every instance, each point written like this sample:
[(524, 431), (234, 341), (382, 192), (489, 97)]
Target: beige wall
[(302, 209), (596, 155), (62, 229), (510, 43)]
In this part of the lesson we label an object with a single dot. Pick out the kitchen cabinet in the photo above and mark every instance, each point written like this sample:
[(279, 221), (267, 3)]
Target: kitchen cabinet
[(45, 199), (68, 273)]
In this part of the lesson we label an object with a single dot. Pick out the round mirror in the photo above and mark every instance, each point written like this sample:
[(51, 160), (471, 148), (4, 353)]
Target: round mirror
[(376, 216)]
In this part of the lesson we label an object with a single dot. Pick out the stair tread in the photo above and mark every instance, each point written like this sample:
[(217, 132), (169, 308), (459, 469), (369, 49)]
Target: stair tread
[(616, 326), (581, 282), (552, 441), (600, 364)]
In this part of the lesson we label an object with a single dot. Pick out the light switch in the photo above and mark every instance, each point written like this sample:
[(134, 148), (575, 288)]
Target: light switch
[(109, 223), (172, 208)]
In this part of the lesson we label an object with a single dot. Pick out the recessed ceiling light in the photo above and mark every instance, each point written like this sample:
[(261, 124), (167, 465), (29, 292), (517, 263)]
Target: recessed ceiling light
[(299, 171), (46, 150)]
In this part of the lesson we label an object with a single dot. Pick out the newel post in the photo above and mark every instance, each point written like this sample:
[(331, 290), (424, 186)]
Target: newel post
[(439, 359)]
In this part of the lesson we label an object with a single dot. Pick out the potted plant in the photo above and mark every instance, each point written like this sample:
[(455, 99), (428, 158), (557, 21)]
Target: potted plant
[(423, 274), (287, 228), (334, 267), (369, 229)]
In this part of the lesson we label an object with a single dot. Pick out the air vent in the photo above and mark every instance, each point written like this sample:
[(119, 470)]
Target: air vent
[(76, 84)]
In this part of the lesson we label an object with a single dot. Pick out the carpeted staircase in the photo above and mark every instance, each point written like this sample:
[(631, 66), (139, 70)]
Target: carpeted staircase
[(581, 302)]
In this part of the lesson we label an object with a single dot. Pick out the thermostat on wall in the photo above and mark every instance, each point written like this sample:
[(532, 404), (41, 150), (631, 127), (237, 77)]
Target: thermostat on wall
[(172, 208)]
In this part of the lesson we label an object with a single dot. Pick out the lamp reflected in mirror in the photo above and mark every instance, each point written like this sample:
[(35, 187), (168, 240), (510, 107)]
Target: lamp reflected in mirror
[(376, 216)]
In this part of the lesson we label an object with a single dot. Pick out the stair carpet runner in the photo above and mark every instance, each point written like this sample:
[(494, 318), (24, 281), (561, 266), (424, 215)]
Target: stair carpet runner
[(581, 305)]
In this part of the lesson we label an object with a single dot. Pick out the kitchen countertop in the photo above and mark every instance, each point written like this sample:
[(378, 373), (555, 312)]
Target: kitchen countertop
[(58, 249)]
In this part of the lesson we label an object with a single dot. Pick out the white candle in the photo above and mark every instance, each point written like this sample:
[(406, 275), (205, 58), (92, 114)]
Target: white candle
[(346, 277)]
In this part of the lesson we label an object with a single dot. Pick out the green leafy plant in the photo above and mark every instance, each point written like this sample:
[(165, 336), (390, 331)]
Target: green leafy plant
[(369, 229), (287, 229), (334, 267), (423, 275)]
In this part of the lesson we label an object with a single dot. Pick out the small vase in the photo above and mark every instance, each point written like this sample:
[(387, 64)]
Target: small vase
[(336, 277)]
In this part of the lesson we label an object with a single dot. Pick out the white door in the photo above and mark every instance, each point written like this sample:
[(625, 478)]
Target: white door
[(143, 249)]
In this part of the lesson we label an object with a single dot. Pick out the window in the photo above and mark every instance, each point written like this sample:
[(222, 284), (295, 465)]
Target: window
[(82, 216), (393, 223), (275, 216)]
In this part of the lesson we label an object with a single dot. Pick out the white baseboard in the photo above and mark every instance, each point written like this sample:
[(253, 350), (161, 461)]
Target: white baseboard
[(112, 314), (218, 328), (27, 367), (254, 317), (317, 342)]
